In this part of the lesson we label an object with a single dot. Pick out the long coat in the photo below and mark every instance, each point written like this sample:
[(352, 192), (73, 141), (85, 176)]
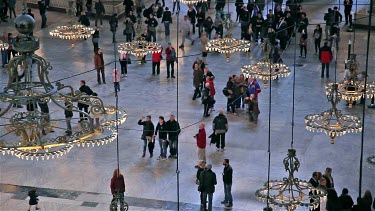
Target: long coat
[(197, 77)]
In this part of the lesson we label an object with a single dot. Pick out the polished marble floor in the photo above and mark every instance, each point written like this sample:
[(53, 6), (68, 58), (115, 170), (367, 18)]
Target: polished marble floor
[(80, 180)]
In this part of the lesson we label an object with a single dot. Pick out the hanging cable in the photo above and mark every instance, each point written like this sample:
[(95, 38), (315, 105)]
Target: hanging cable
[(177, 111), (364, 97), (355, 21)]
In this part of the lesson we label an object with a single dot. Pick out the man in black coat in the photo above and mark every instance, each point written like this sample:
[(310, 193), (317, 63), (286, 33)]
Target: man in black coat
[(348, 4), (42, 12), (148, 132), (99, 12), (227, 180), (86, 90), (173, 132), (113, 24), (207, 186), (220, 127), (314, 182)]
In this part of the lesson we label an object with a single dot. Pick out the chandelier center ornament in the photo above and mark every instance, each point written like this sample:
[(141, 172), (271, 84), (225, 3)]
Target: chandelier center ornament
[(290, 192)]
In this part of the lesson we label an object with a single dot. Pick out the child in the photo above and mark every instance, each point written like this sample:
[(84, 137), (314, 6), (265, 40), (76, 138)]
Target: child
[(116, 79), (33, 199)]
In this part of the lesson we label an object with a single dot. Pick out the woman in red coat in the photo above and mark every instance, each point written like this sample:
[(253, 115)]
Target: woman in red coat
[(156, 58), (117, 183)]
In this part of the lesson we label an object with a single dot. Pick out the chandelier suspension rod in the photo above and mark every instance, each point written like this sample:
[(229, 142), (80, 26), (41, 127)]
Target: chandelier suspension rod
[(269, 143), (364, 96), (116, 92), (177, 111), (355, 21), (294, 87)]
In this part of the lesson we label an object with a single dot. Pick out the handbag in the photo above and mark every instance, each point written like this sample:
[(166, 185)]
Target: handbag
[(128, 61)]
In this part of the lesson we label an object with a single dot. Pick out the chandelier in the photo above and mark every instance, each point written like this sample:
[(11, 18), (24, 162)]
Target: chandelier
[(72, 31), (33, 134), (290, 192), (190, 2), (139, 47), (227, 44), (333, 122), (351, 88)]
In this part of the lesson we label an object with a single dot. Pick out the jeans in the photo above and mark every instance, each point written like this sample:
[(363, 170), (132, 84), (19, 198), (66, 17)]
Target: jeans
[(145, 145), (157, 65), (68, 125), (124, 68), (173, 146), (98, 72), (4, 57), (44, 19), (325, 66), (100, 17), (129, 37), (166, 25), (178, 6), (228, 193), (163, 144), (230, 105), (220, 139), (152, 35), (116, 86), (197, 93), (170, 66), (317, 45), (303, 48), (204, 199)]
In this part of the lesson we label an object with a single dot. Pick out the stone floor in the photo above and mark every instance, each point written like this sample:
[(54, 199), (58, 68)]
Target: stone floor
[(80, 180)]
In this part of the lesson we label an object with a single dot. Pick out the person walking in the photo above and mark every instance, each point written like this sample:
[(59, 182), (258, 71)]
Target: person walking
[(124, 59), (201, 142), (303, 44), (206, 99), (162, 128), (117, 184), (185, 29), (171, 58), (68, 117), (167, 20), (325, 57), (348, 4), (99, 12), (204, 41), (79, 7), (33, 199), (85, 90), (99, 65), (173, 132), (220, 128), (227, 180), (12, 8), (317, 37), (95, 39), (231, 97), (156, 58), (116, 79), (192, 14), (113, 24), (197, 80), (89, 7), (42, 12), (152, 23), (207, 187), (148, 132), (129, 29)]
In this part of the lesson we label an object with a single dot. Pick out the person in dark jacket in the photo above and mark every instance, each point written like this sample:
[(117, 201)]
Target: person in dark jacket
[(201, 16), (162, 128), (325, 57), (68, 117), (42, 12), (206, 99), (197, 80), (227, 180), (208, 26), (113, 24), (99, 12), (230, 103), (220, 127), (33, 199), (348, 4), (84, 20), (332, 201), (207, 187), (117, 184), (192, 14), (314, 181), (129, 4), (89, 8), (173, 132), (147, 134), (86, 90), (99, 65), (95, 40), (253, 109), (345, 200), (167, 20), (152, 23)]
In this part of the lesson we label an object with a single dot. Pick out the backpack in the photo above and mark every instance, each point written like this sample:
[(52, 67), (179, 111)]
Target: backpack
[(173, 55)]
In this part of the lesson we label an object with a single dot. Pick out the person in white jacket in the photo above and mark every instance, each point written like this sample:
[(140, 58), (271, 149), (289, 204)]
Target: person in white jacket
[(185, 29)]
